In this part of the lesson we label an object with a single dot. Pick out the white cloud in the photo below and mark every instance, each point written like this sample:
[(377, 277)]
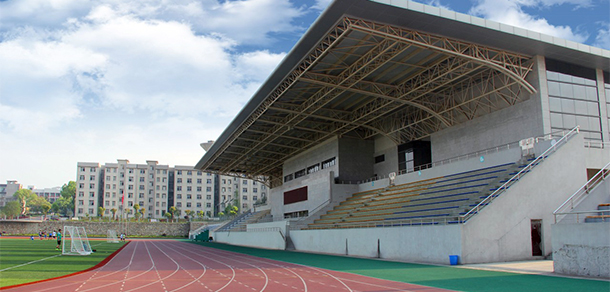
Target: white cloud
[(321, 4), (124, 80), (511, 12), (602, 39)]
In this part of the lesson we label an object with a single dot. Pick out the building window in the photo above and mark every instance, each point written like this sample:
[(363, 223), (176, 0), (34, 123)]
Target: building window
[(179, 180), (179, 172), (254, 190), (208, 205), (300, 173), (82, 177), (198, 196), (91, 194), (328, 163), (142, 179), (199, 181), (198, 205), (245, 198), (189, 173), (189, 196), (188, 204), (208, 197), (254, 198), (313, 168), (179, 204), (189, 188), (199, 189), (178, 188), (189, 180), (209, 181), (199, 172), (244, 190), (92, 186), (179, 196), (208, 189)]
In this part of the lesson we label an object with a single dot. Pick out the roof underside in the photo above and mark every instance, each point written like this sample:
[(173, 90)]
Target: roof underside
[(362, 79)]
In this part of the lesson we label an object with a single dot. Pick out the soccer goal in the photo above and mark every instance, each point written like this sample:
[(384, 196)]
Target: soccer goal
[(112, 238), (75, 241)]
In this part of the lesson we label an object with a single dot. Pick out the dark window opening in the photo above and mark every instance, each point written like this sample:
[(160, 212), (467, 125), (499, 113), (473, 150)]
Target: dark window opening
[(380, 158), (414, 155)]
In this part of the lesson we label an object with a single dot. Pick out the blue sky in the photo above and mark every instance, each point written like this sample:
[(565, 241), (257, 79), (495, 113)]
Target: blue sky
[(96, 81)]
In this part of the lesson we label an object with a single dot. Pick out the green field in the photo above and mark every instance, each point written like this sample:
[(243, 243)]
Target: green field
[(45, 261), (447, 277)]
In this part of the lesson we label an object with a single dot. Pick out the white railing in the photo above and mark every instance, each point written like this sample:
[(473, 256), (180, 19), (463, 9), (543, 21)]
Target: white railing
[(297, 223), (587, 188), (579, 216), (597, 144), (520, 174)]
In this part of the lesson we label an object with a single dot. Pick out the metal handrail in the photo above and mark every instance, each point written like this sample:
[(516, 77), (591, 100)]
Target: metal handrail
[(578, 213), (313, 211), (597, 144), (587, 188), (517, 176)]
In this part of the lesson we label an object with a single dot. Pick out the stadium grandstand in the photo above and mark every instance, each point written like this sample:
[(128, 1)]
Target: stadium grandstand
[(404, 131)]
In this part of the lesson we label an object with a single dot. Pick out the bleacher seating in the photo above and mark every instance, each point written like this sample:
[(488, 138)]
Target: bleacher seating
[(602, 216), (441, 197)]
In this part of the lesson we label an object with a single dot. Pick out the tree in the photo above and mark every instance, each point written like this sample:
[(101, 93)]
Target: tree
[(142, 212), (168, 215), (200, 214), (136, 207), (11, 209), (64, 205), (172, 211), (189, 214), (113, 210), (100, 211), (209, 214), (26, 198)]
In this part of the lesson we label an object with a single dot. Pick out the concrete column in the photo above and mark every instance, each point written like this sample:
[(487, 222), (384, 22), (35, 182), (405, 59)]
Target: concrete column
[(540, 82), (603, 113)]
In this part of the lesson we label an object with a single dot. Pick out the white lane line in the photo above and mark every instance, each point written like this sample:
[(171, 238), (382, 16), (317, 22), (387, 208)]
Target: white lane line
[(197, 253), (225, 264), (28, 263), (238, 255), (196, 279)]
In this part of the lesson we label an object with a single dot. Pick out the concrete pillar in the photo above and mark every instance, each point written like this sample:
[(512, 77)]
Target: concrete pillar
[(541, 85), (603, 113)]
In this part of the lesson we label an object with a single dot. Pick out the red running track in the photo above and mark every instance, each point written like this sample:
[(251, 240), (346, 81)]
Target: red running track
[(165, 265)]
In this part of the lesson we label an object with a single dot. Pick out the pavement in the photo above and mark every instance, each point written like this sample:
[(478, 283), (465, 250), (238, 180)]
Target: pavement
[(537, 267)]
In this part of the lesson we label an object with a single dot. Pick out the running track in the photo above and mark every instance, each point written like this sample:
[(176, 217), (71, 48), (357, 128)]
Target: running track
[(168, 265)]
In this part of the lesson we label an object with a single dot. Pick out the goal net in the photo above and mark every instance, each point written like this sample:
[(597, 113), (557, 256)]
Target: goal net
[(75, 241), (112, 238)]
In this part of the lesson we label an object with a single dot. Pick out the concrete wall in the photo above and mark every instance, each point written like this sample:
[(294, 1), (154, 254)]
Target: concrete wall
[(502, 230), (101, 228), (326, 150), (507, 125), (385, 146), (428, 244), (263, 239), (582, 249)]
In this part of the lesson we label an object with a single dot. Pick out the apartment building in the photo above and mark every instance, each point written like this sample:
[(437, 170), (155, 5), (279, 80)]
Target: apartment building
[(156, 188), (7, 190), (50, 194)]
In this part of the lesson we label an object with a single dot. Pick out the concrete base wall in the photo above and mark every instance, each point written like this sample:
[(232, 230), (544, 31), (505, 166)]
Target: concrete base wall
[(502, 230), (263, 239), (101, 228), (428, 244), (582, 249)]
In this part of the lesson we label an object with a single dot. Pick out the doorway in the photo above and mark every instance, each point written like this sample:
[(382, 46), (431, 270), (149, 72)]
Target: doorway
[(536, 237)]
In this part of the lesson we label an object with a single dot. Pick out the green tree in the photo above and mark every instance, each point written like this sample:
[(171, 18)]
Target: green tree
[(11, 209), (172, 211), (26, 199), (209, 214), (200, 214), (168, 215), (113, 210), (64, 205), (189, 214), (137, 213), (100, 211)]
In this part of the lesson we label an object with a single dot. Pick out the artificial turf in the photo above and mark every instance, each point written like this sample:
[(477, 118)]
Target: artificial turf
[(50, 263), (452, 278)]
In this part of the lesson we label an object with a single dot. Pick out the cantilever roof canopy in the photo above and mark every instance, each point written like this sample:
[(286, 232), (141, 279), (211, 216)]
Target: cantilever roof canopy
[(365, 69)]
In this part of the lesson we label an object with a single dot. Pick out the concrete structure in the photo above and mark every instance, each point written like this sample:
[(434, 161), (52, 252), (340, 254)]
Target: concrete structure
[(381, 87), (7, 190)]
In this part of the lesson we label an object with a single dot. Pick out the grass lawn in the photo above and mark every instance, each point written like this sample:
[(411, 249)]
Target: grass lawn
[(446, 277), (47, 262)]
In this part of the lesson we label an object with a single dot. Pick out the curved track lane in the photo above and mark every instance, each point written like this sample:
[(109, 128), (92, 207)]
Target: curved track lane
[(167, 265)]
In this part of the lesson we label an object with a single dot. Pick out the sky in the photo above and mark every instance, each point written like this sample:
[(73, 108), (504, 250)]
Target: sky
[(101, 80)]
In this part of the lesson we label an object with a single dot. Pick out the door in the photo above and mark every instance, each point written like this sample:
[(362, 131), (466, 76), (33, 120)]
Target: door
[(536, 237)]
